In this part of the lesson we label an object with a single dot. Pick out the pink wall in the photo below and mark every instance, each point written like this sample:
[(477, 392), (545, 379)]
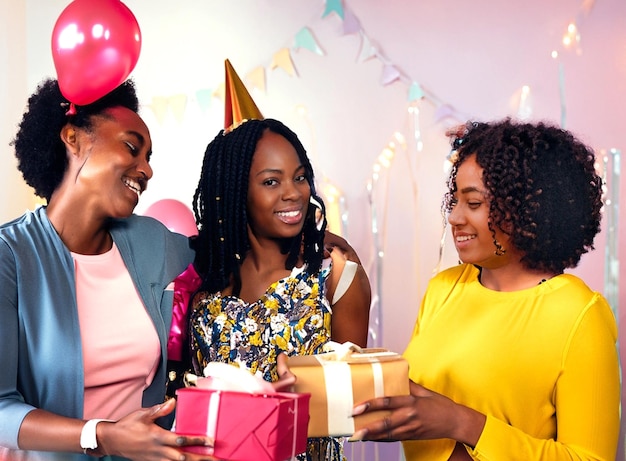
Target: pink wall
[(471, 56)]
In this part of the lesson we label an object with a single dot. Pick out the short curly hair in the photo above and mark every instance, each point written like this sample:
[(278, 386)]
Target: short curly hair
[(38, 146), (543, 187)]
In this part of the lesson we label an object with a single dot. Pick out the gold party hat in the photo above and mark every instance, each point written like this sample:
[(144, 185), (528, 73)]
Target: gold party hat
[(238, 104)]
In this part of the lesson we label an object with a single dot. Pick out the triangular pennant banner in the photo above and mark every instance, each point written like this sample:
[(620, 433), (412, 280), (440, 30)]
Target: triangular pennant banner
[(305, 39), (351, 24), (220, 92), (159, 107), (367, 51), (282, 59), (390, 74), (443, 111), (415, 92), (204, 96), (178, 104), (333, 6), (256, 78)]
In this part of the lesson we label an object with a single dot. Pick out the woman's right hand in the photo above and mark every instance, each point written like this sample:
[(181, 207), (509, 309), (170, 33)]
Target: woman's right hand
[(423, 414), (286, 379), (139, 438), (135, 436)]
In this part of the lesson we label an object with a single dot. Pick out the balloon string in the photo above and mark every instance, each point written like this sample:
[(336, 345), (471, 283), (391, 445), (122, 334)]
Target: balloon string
[(71, 110)]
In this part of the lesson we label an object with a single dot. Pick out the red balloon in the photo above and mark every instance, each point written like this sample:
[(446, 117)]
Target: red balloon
[(176, 216), (95, 46)]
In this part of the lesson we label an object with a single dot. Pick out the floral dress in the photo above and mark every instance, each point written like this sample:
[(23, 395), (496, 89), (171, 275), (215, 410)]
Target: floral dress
[(293, 316)]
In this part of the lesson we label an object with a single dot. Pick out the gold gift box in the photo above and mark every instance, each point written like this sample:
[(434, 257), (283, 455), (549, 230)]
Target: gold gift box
[(338, 381)]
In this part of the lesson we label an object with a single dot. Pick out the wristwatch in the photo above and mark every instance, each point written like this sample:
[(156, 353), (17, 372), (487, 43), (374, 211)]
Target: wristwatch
[(88, 439)]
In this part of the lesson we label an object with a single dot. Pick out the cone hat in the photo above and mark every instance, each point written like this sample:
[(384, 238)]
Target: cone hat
[(239, 105)]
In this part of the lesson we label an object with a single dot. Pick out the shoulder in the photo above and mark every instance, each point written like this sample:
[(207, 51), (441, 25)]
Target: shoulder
[(579, 303), (22, 224), (454, 275), (30, 232), (145, 229), (148, 238)]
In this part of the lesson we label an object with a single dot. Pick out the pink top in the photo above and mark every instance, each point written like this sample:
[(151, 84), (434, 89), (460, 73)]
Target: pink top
[(121, 348)]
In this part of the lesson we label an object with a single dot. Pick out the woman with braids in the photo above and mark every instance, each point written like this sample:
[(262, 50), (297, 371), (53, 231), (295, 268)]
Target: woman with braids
[(512, 358), (84, 304), (266, 286)]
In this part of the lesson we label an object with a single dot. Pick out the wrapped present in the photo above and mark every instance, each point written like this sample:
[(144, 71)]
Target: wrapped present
[(261, 426), (340, 379)]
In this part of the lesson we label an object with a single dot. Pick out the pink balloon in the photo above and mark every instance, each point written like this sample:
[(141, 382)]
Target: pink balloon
[(176, 216), (95, 46)]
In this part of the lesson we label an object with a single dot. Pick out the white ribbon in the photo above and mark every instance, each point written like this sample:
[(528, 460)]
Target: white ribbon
[(295, 428), (211, 423), (338, 381)]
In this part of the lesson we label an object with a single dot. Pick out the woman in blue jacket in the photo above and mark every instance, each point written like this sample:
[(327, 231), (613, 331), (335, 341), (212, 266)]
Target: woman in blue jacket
[(85, 298)]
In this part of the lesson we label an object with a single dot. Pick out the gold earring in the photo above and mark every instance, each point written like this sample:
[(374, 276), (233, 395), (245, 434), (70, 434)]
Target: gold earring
[(500, 250)]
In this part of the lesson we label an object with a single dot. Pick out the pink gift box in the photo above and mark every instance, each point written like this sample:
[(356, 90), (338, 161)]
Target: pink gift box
[(260, 427)]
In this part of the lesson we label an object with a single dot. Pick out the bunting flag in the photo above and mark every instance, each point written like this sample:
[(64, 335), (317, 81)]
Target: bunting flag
[(351, 24), (178, 105), (305, 39), (444, 111), (159, 108), (415, 92), (256, 79), (367, 51), (333, 6), (220, 92), (390, 74), (204, 97), (282, 59)]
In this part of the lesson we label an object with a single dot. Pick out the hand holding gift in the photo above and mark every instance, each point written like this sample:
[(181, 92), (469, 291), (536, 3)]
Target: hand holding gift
[(340, 379), (244, 415)]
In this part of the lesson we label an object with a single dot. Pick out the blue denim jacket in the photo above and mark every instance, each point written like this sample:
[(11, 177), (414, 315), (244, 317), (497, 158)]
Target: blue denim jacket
[(40, 345)]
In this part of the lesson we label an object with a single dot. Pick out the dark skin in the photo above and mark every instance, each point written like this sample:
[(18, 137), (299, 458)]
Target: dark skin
[(425, 414), (422, 414), (277, 186), (108, 169)]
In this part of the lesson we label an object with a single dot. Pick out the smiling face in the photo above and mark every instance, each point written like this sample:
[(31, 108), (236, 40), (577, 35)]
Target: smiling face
[(113, 158), (278, 189), (469, 220)]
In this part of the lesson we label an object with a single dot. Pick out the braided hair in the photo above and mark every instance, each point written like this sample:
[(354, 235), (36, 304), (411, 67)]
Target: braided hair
[(543, 187), (220, 202), (38, 146)]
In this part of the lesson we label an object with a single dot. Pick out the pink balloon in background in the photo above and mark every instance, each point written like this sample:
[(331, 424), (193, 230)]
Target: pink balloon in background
[(95, 46), (175, 215)]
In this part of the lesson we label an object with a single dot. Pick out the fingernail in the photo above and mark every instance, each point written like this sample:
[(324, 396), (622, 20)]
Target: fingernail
[(180, 441), (358, 435), (357, 410), (182, 458)]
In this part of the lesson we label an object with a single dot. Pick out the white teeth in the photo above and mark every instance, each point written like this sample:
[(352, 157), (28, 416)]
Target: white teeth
[(134, 185), (465, 238), (289, 214)]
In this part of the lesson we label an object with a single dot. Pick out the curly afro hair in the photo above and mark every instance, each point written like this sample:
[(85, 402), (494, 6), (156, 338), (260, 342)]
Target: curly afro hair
[(220, 207), (543, 186), (38, 146)]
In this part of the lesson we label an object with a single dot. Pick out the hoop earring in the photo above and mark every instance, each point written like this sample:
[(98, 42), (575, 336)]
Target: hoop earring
[(500, 250)]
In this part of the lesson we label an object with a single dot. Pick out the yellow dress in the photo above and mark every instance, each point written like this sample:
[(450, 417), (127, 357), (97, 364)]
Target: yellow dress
[(293, 316), (541, 363)]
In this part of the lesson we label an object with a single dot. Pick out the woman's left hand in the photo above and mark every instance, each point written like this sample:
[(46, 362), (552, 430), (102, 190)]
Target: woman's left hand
[(423, 414)]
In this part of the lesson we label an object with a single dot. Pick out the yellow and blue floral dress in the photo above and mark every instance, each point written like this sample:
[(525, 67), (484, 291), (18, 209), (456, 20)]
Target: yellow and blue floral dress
[(293, 316)]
